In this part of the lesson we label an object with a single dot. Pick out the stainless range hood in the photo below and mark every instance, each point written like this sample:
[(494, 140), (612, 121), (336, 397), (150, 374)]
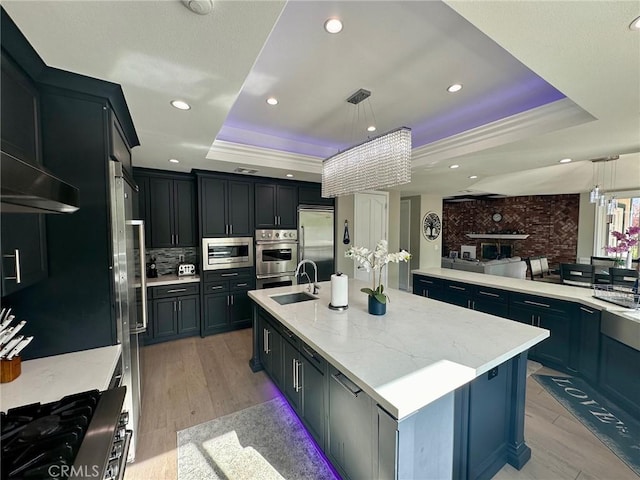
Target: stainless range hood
[(32, 189)]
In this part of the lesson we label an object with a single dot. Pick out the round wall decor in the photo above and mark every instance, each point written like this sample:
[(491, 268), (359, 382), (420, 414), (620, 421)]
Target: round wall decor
[(431, 226)]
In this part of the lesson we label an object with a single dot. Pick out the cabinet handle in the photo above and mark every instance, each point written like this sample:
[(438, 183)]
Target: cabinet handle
[(265, 340), (16, 255), (175, 290), (295, 379), (179, 305), (481, 292), (309, 352), (174, 306), (226, 229), (468, 303), (227, 300), (288, 333), (241, 284), (538, 304), (231, 296), (426, 281), (229, 275), (533, 320), (177, 239), (586, 310), (338, 376), (456, 287), (425, 293), (217, 287), (231, 229), (473, 304), (297, 365)]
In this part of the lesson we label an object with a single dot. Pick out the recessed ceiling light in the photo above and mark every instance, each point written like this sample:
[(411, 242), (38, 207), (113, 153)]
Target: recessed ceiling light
[(473, 176), (174, 160), (290, 175), (180, 105), (635, 25), (371, 128), (333, 25), (565, 160), (454, 166), (456, 87), (272, 101)]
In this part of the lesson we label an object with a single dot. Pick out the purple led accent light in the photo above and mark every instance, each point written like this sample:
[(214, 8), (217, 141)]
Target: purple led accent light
[(311, 441)]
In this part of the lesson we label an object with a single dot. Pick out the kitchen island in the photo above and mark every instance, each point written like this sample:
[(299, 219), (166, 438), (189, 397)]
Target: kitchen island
[(428, 390)]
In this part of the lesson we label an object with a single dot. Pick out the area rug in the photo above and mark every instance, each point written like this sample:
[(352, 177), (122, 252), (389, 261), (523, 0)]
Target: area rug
[(618, 430), (266, 441)]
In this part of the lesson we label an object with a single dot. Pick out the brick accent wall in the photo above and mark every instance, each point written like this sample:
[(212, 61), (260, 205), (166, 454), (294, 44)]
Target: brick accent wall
[(550, 220)]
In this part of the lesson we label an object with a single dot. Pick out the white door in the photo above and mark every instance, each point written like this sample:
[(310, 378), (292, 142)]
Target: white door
[(370, 226), (404, 280)]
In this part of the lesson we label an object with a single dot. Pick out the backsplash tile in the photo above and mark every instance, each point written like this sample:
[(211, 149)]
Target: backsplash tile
[(167, 259)]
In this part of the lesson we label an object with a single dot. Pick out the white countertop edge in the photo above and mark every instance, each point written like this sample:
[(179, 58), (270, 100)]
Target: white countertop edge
[(581, 295), (48, 379), (405, 401), (171, 280)]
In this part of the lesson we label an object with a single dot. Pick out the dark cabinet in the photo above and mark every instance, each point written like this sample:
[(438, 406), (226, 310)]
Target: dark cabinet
[(491, 301), (313, 392), (20, 113), (227, 305), (428, 287), (226, 207), (171, 212), (174, 312), (312, 195), (292, 367), (141, 205), (460, 294), (619, 374), (350, 427), (24, 251), (276, 206), (270, 349), (589, 343)]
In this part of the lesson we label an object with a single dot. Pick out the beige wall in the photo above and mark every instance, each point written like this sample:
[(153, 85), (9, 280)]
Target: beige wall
[(586, 227), (344, 211), (393, 279), (415, 232), (430, 251)]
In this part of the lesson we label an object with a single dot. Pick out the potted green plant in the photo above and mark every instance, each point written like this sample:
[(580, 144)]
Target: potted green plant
[(375, 261)]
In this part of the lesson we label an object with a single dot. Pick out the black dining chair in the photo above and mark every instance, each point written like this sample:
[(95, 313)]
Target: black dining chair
[(624, 277), (578, 274)]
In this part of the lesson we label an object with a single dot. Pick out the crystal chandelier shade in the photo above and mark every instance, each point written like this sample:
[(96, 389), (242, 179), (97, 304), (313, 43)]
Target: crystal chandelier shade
[(380, 162)]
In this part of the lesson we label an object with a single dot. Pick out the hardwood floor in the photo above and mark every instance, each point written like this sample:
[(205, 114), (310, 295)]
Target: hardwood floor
[(194, 380)]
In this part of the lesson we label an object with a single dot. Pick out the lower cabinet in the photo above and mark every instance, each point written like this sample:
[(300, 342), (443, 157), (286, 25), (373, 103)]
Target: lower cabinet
[(270, 349), (226, 304), (174, 312), (619, 374), (589, 343)]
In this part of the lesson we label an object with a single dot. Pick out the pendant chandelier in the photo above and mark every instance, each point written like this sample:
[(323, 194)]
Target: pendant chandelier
[(599, 167), (379, 162)]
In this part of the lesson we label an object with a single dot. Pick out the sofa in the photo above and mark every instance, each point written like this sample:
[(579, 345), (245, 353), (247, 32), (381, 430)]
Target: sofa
[(513, 267)]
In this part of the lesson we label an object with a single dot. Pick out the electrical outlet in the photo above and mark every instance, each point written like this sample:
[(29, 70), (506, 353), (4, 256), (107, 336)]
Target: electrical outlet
[(493, 373), (181, 258)]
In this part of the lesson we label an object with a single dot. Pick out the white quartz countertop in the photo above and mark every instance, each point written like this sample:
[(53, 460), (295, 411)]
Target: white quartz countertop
[(419, 351), (569, 293), (171, 280), (50, 378)]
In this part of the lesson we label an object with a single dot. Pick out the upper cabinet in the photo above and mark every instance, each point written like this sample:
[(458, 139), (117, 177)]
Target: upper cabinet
[(167, 204), (19, 105), (226, 207), (311, 194), (276, 206)]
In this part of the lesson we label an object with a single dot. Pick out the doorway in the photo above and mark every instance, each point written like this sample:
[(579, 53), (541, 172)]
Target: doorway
[(370, 220)]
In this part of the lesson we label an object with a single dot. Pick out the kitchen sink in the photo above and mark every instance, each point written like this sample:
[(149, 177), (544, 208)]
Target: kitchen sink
[(287, 298)]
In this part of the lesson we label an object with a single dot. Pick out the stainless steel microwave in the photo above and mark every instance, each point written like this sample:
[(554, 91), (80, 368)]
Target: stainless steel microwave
[(221, 253)]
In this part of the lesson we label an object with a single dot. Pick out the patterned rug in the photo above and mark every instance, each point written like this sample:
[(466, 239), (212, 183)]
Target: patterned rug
[(618, 430), (264, 442)]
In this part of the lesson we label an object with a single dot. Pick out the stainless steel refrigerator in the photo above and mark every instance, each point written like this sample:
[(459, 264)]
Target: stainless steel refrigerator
[(315, 240), (129, 279)]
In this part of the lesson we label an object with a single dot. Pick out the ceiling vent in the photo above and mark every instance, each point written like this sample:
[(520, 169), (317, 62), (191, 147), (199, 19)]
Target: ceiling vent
[(246, 171), (201, 7)]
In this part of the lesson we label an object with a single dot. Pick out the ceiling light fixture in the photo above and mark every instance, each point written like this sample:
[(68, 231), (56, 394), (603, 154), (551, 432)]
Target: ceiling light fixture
[(289, 175), (456, 87), (454, 166), (565, 160), (174, 160), (379, 162), (272, 101), (333, 25), (595, 196), (635, 25), (473, 176), (180, 104), (201, 7), (371, 128)]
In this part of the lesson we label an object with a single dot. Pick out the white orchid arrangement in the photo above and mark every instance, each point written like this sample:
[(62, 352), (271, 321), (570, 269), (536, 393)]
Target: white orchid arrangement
[(376, 261)]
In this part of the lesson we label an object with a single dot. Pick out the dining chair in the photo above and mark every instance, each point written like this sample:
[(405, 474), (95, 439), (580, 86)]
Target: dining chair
[(578, 274), (624, 277)]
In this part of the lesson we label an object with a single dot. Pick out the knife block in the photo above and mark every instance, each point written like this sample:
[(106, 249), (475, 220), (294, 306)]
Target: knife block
[(10, 369)]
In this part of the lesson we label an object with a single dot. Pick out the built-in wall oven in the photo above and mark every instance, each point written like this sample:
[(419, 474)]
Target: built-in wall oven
[(221, 253), (276, 257)]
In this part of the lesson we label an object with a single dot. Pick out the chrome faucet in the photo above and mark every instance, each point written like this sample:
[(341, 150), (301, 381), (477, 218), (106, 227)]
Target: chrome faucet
[(316, 287)]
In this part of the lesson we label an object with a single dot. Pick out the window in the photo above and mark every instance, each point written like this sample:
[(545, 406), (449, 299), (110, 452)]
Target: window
[(625, 214)]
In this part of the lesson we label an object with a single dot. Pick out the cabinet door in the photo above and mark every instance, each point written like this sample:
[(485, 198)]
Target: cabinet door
[(313, 407), (240, 209), (26, 234), (522, 315), (458, 294), (216, 313), (265, 206), (161, 212), (291, 374), (312, 195), (555, 349), (188, 314), (240, 311), (213, 198), (589, 344), (141, 206), (287, 206), (19, 106), (184, 210), (165, 317), (491, 307), (350, 427)]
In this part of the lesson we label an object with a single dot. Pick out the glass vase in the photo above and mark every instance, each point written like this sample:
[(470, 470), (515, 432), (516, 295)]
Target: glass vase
[(376, 307), (628, 261)]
